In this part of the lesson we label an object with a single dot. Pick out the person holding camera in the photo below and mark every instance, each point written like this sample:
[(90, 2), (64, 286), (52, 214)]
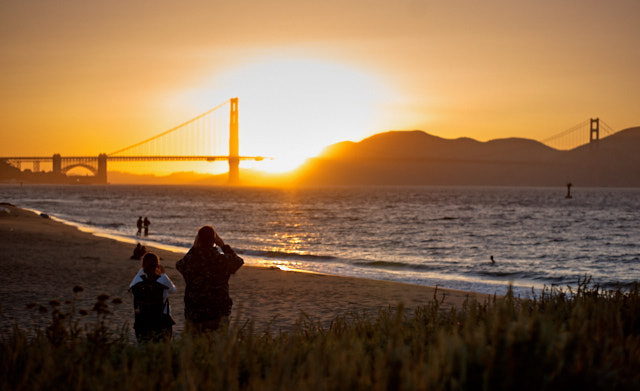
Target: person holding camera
[(206, 270)]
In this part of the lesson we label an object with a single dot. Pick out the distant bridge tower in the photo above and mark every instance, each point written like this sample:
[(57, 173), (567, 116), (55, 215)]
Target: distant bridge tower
[(594, 132), (101, 175), (57, 164), (234, 144)]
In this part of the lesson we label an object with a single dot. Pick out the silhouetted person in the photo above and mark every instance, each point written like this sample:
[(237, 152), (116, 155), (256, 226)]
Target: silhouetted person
[(151, 288), (147, 223), (139, 224), (139, 251), (206, 272), (493, 262), (568, 190)]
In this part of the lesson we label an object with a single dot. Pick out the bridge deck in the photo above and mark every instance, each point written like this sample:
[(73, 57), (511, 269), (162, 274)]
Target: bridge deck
[(135, 158)]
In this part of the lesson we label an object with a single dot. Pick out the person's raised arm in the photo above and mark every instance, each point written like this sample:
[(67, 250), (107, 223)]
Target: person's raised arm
[(218, 240)]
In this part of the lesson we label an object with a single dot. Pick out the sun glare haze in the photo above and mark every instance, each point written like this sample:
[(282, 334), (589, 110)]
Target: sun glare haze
[(290, 109)]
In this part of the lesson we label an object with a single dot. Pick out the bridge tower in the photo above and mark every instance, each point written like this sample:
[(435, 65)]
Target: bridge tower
[(234, 144), (56, 164), (594, 132), (101, 176)]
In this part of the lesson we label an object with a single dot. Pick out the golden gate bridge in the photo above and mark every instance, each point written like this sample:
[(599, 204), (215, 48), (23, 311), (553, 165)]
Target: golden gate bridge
[(201, 138)]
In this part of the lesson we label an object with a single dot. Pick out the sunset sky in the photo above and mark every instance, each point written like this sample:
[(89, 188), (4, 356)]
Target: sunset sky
[(85, 77)]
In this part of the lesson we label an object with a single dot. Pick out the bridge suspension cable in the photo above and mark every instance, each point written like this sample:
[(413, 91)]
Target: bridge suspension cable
[(200, 134), (608, 130), (569, 138)]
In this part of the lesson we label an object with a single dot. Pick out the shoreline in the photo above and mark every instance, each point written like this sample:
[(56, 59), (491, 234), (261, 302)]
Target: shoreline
[(447, 282), (145, 241), (43, 259)]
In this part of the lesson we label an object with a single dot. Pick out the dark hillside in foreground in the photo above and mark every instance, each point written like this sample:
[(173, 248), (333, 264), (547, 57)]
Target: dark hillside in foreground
[(417, 158)]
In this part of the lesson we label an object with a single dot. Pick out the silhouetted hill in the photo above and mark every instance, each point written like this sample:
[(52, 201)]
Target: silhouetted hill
[(420, 145), (7, 171), (418, 158)]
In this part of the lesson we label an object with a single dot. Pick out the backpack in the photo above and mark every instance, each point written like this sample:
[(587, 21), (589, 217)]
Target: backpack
[(148, 302)]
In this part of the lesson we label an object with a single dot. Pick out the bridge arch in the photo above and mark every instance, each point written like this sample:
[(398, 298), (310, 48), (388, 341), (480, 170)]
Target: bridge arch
[(70, 167)]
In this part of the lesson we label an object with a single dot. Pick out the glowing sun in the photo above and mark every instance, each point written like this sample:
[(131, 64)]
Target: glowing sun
[(291, 109)]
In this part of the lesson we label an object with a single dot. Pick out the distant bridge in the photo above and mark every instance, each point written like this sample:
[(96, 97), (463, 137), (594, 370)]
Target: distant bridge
[(588, 131), (195, 140)]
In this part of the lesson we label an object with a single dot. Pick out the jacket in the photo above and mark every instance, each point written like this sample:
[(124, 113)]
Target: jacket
[(206, 272)]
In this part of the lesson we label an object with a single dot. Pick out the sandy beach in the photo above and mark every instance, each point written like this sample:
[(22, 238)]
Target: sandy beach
[(42, 259)]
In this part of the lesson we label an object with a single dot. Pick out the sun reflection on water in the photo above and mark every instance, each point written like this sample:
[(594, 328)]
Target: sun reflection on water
[(287, 266)]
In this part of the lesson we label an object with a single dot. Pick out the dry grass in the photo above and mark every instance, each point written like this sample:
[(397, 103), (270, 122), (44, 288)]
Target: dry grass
[(584, 339)]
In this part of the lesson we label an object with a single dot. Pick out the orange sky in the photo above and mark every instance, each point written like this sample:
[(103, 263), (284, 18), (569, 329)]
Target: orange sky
[(84, 77)]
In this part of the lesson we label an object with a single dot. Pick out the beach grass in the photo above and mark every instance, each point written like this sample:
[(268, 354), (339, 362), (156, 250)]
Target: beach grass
[(586, 338)]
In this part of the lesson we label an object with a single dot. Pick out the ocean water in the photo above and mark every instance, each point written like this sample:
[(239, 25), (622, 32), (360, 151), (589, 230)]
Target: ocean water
[(440, 236)]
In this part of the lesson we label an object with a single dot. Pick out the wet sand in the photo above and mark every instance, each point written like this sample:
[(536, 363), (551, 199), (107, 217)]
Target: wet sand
[(42, 259)]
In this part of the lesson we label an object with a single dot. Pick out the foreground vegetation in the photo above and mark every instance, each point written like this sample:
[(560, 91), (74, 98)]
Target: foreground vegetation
[(584, 339)]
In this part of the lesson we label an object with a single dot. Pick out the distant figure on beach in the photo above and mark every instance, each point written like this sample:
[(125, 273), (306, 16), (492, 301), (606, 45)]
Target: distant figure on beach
[(568, 190), (206, 272), (139, 251), (151, 288), (139, 224), (493, 262), (147, 223)]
